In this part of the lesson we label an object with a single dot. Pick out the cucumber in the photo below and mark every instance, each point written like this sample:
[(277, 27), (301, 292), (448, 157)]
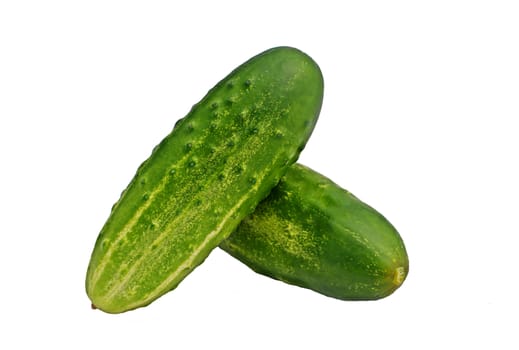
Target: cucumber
[(311, 233), (210, 172)]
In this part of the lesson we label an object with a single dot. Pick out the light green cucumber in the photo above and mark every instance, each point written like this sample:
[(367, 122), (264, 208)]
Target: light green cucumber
[(312, 233), (204, 178)]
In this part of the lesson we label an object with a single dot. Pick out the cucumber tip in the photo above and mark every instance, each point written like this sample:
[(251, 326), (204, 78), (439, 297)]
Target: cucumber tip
[(399, 276)]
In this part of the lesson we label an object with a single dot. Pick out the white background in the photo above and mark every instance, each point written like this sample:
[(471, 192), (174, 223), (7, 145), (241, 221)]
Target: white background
[(419, 121)]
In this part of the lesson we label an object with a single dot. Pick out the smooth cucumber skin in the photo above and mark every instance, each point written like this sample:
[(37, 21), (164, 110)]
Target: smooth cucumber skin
[(312, 233), (210, 172)]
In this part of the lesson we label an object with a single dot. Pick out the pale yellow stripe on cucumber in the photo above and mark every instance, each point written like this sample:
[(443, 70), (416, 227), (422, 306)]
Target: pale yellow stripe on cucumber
[(188, 264), (180, 221), (132, 221)]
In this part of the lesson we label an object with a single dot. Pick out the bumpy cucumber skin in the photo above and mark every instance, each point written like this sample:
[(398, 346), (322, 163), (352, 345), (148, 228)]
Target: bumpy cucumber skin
[(311, 233), (210, 172)]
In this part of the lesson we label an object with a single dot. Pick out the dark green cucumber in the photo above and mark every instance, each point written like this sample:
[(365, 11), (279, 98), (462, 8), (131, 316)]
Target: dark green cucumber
[(311, 233), (213, 169)]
